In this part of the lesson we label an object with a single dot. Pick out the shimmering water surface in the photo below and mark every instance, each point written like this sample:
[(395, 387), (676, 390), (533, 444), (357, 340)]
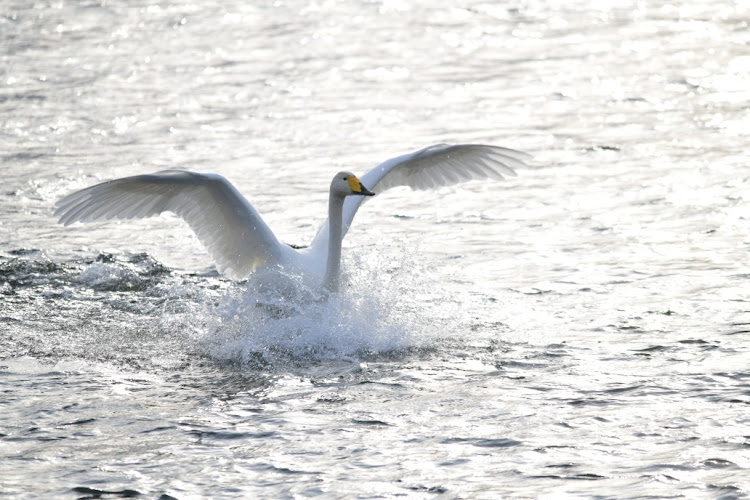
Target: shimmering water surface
[(578, 331)]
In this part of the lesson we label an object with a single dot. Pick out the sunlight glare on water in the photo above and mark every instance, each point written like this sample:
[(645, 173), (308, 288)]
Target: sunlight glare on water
[(577, 331)]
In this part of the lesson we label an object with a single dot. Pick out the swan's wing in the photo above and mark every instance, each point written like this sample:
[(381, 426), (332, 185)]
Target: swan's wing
[(429, 168), (443, 165), (226, 224)]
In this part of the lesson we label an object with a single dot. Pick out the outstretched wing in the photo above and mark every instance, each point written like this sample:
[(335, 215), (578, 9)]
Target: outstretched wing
[(443, 165), (226, 224), (429, 168)]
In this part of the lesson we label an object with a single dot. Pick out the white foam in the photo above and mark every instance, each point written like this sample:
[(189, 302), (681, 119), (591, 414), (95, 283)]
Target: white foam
[(278, 316), (108, 276)]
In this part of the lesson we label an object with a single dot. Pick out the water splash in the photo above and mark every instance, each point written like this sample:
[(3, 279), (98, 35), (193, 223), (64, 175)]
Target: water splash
[(132, 311), (276, 317)]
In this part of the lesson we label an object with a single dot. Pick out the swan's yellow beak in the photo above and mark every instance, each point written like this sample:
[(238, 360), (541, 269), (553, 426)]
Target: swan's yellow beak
[(357, 188)]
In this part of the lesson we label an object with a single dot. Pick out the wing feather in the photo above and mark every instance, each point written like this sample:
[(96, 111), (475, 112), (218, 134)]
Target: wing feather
[(430, 168), (223, 220), (443, 165)]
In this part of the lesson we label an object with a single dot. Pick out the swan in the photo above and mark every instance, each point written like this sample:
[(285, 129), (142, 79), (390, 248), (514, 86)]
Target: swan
[(236, 236)]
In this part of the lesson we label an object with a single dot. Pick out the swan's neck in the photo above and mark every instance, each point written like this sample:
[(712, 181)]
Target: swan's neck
[(333, 265)]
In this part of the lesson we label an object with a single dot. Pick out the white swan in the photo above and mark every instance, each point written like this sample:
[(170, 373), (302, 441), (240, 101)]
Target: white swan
[(235, 234)]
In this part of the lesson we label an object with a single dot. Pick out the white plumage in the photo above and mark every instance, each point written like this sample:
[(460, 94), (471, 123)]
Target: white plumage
[(234, 233)]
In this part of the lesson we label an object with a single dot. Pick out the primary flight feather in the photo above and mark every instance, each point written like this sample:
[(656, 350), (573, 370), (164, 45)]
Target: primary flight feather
[(235, 234)]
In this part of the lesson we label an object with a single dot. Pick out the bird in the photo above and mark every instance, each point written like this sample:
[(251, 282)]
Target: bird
[(236, 236)]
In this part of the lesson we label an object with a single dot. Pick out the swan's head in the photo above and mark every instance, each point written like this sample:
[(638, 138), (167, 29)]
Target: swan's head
[(347, 184)]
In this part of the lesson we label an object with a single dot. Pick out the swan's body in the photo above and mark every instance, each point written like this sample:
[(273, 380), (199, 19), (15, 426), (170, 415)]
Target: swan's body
[(235, 234)]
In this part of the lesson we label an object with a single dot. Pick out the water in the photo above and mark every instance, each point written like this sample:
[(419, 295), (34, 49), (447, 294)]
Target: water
[(578, 331)]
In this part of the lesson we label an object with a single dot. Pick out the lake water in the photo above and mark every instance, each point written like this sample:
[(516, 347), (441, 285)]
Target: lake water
[(578, 331)]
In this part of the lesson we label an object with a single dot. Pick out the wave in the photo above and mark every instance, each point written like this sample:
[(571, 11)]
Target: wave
[(132, 310)]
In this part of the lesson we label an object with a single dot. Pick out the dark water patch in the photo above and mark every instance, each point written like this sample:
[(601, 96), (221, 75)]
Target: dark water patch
[(743, 376), (738, 328), (654, 349), (17, 269), (148, 266), (229, 435), (435, 490), (621, 390), (580, 477), (93, 493), (636, 390), (161, 428), (22, 97), (371, 423), (717, 463), (492, 326), (668, 312), (19, 157), (45, 439), (565, 466), (520, 364), (453, 462), (29, 268), (24, 251), (331, 398), (554, 447), (402, 217), (555, 351), (539, 388), (728, 491), (211, 380), (694, 342), (80, 422), (628, 328), (568, 465), (618, 282), (484, 442), (601, 147), (590, 402), (497, 443), (664, 478), (119, 277)]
